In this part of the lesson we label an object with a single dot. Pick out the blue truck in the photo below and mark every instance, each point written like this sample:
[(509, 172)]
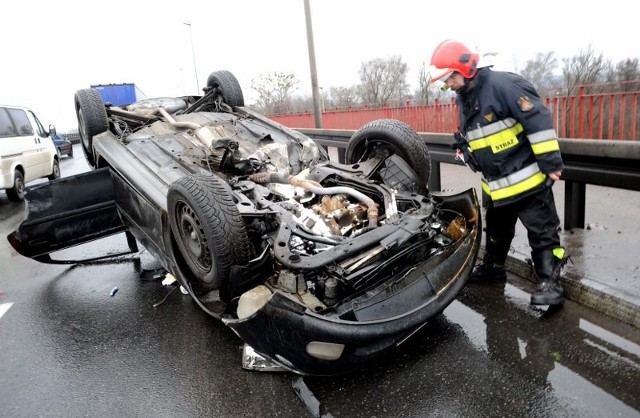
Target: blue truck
[(119, 94)]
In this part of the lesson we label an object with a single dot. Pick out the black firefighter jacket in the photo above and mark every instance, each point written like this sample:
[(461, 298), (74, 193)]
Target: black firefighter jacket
[(508, 134)]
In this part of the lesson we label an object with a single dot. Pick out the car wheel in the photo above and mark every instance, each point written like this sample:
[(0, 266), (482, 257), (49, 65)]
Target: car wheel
[(388, 137), (92, 120), (228, 85), (16, 193), (55, 173), (208, 230)]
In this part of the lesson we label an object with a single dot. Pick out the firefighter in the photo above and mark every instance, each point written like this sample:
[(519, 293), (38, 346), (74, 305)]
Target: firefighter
[(507, 134)]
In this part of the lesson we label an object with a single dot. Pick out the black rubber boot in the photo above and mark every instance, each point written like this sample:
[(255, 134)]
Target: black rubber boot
[(547, 270), (488, 271)]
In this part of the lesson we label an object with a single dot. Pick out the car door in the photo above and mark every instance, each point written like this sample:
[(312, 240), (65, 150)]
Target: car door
[(45, 150), (70, 211), (11, 146), (25, 144)]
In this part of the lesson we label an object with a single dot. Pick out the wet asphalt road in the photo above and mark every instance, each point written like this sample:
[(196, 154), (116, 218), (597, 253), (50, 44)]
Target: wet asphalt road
[(70, 349)]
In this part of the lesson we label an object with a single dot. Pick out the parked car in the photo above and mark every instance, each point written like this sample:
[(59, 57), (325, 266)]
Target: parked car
[(26, 152), (319, 266), (63, 145)]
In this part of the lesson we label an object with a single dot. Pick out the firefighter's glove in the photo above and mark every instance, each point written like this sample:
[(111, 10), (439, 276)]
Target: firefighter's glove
[(471, 161), (460, 141), (463, 153), (464, 156)]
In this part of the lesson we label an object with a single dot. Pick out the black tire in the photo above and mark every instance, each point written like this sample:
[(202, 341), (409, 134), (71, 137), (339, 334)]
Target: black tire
[(16, 193), (228, 85), (392, 137), (92, 120), (208, 230), (55, 174)]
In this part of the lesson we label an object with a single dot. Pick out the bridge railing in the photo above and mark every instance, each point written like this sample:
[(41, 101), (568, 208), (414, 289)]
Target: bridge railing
[(582, 115), (610, 163), (598, 116)]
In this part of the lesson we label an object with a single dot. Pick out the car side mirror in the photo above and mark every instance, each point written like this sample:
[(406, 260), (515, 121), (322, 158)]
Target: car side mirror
[(52, 130)]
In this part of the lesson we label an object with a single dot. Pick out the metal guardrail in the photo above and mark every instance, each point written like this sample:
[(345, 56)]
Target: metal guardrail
[(609, 163)]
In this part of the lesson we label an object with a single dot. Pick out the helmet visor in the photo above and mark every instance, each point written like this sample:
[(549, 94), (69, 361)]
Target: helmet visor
[(441, 74), (445, 77)]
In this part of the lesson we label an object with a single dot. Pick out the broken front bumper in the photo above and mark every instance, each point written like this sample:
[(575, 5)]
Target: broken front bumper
[(303, 341)]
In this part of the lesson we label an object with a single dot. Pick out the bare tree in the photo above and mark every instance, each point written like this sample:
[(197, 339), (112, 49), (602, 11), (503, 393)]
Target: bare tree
[(540, 72), (274, 92), (626, 71), (585, 68), (422, 92), (342, 96), (384, 80), (301, 103)]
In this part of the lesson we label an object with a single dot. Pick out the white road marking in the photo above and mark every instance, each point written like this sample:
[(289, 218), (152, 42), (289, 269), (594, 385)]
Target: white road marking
[(4, 307)]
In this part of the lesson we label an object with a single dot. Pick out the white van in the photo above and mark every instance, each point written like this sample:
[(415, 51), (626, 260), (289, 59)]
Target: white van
[(26, 150)]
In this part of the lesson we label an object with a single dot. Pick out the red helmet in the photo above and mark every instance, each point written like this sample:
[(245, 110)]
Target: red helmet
[(452, 56)]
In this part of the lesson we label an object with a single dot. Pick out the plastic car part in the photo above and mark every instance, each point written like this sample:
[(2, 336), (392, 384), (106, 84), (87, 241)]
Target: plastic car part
[(255, 362)]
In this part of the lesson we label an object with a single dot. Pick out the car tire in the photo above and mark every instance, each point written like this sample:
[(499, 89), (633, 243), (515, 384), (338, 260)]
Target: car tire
[(16, 193), (55, 173), (207, 229), (388, 137), (228, 85), (92, 120)]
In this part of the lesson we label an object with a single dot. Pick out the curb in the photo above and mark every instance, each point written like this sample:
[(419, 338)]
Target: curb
[(586, 292)]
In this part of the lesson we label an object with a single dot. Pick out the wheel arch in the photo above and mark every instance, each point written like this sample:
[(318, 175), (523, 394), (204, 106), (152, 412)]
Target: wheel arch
[(222, 228), (383, 136)]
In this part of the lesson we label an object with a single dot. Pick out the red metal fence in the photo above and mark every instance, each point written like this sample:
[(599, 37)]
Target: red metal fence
[(584, 115), (596, 116)]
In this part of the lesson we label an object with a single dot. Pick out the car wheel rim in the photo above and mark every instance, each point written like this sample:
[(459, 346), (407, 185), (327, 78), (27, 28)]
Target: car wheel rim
[(377, 148), (193, 237)]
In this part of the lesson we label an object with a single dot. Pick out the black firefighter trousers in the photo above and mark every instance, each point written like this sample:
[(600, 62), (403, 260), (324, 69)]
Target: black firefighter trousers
[(538, 214)]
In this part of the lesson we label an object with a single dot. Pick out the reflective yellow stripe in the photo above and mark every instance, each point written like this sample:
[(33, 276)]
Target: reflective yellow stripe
[(499, 141), (485, 188), (559, 252), (516, 189), (493, 128), (544, 147), (542, 136)]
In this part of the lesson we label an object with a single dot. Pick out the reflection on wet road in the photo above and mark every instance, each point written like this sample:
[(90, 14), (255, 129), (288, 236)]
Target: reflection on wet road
[(491, 354)]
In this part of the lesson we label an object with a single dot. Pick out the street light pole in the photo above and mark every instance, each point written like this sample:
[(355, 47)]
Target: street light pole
[(315, 91), (193, 55)]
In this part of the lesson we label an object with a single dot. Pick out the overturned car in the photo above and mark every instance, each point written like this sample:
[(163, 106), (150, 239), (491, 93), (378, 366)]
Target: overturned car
[(318, 266)]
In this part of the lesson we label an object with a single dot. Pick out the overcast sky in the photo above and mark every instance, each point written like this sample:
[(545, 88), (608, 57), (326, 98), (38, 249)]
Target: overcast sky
[(53, 48)]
